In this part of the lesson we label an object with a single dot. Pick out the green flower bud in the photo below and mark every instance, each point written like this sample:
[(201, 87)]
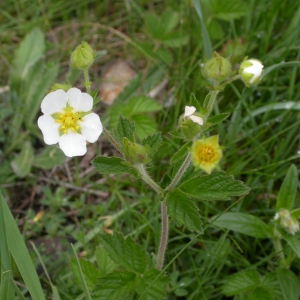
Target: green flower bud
[(58, 86), (191, 123), (251, 71), (134, 153), (216, 69), (83, 56)]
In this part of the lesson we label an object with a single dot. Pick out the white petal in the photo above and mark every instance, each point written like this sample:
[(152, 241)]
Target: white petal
[(79, 101), (54, 102), (189, 110), (91, 127), (72, 144), (255, 69), (49, 129), (197, 120)]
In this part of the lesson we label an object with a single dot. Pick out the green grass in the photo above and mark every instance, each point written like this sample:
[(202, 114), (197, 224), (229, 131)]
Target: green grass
[(259, 149)]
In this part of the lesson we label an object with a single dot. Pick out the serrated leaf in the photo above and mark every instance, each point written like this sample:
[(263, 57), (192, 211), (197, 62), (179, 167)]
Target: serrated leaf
[(49, 158), (241, 282), (176, 39), (110, 165), (270, 282), (114, 286), (125, 252), (288, 190), (215, 186), (89, 270), (183, 210), (289, 284), (125, 128), (217, 119), (150, 290), (142, 104), (23, 162), (228, 10), (181, 153), (153, 141), (194, 102), (243, 223), (105, 264), (145, 125), (169, 20)]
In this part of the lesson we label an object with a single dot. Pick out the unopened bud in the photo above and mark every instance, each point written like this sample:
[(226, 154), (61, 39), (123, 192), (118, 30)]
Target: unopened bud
[(216, 69), (135, 153), (251, 71), (83, 56)]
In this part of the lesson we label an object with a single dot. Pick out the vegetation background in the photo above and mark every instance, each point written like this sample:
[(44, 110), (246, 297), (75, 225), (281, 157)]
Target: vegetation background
[(69, 202)]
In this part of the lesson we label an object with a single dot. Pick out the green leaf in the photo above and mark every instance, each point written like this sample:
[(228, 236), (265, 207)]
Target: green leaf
[(260, 293), (241, 282), (125, 252), (194, 102), (20, 253), (105, 264), (125, 128), (183, 210), (114, 286), (292, 240), (289, 284), (169, 20), (181, 153), (217, 119), (23, 162), (176, 39), (5, 292), (31, 49), (110, 165), (145, 125), (208, 50), (270, 282), (142, 104), (50, 157), (153, 141), (228, 10), (89, 271), (150, 290), (242, 223), (216, 186), (288, 190), (154, 26)]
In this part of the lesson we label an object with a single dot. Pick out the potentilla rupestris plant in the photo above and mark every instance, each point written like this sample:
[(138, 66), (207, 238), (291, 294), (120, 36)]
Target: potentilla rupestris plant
[(194, 172)]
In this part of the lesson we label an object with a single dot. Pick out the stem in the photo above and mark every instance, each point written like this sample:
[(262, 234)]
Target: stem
[(164, 236), (144, 175), (87, 82), (211, 102), (180, 172), (112, 140), (279, 251)]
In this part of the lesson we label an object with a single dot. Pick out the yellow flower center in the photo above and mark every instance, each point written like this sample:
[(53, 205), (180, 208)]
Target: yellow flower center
[(206, 154), (68, 120)]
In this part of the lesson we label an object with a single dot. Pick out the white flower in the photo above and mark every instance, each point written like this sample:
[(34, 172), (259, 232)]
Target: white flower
[(189, 113), (251, 71), (67, 121)]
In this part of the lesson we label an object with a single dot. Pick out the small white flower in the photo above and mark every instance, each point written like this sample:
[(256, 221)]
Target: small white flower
[(251, 71), (67, 121), (189, 113)]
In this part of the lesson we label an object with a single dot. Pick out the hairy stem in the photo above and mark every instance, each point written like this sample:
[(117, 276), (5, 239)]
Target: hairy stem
[(87, 82), (112, 140), (180, 172), (144, 175), (210, 105), (164, 236)]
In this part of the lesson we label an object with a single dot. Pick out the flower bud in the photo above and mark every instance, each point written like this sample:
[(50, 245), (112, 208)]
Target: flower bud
[(287, 222), (58, 86), (190, 123), (216, 69), (135, 153), (206, 153), (251, 71), (83, 56)]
